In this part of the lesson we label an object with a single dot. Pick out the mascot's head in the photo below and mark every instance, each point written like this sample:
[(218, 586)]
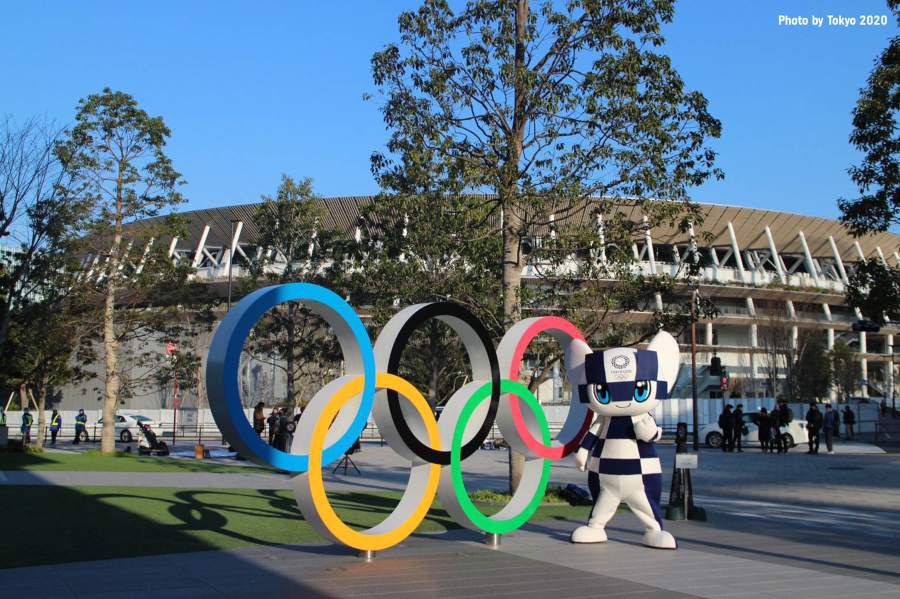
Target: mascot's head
[(626, 382)]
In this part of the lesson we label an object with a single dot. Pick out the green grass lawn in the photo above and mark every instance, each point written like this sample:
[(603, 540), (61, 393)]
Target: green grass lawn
[(122, 462), (47, 525)]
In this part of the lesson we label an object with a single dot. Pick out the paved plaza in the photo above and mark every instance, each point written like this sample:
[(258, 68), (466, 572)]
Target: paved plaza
[(779, 526)]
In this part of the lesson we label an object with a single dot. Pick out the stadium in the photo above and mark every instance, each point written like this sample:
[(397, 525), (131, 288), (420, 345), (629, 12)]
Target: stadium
[(761, 269)]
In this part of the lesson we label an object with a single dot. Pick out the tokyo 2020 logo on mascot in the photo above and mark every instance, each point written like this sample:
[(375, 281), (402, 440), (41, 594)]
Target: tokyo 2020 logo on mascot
[(623, 386)]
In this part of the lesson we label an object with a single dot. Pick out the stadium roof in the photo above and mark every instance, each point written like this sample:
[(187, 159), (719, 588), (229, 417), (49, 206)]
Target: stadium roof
[(748, 223)]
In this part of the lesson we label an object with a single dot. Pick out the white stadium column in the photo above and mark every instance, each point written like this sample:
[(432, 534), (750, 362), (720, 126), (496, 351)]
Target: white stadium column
[(737, 252), (172, 245), (146, 252), (837, 260), (232, 246), (807, 255), (775, 257), (198, 254), (709, 333)]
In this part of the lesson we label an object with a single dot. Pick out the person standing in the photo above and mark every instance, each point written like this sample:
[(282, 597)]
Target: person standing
[(80, 426), (272, 421), (849, 421), (739, 428), (27, 421), (830, 424), (259, 419), (765, 430), (726, 425), (813, 427), (782, 416), (55, 425)]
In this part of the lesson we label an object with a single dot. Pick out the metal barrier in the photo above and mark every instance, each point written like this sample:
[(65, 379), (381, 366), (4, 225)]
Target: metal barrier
[(208, 432)]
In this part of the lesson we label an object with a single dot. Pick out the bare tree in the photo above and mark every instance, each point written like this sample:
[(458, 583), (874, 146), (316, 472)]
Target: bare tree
[(32, 213)]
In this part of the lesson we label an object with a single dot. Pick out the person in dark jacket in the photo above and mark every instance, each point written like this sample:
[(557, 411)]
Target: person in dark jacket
[(781, 417), (27, 421), (813, 427), (830, 423), (80, 427), (726, 425), (55, 425), (259, 419), (739, 428), (272, 421), (849, 421), (284, 434), (765, 430)]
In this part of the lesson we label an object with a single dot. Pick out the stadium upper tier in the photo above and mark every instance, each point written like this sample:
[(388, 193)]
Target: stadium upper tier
[(744, 247)]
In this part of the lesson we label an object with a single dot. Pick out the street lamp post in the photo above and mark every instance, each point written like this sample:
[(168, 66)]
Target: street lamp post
[(694, 407)]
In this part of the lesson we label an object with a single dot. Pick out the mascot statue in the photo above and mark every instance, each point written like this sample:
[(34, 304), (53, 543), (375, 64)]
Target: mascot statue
[(623, 386)]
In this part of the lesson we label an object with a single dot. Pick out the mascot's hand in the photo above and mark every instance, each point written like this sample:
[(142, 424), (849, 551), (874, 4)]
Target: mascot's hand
[(645, 428), (581, 458)]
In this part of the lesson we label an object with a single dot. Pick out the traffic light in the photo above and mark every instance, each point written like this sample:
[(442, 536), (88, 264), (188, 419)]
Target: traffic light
[(724, 380), (715, 366)]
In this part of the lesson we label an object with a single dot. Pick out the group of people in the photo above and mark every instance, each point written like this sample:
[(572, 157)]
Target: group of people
[(771, 424), (829, 423), (55, 425), (281, 425)]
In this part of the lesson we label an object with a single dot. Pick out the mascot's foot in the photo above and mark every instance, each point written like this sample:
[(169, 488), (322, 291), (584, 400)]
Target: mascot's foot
[(659, 539), (588, 534)]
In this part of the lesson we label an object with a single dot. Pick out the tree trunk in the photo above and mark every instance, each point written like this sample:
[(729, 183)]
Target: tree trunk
[(512, 217), (110, 343), (111, 351), (435, 364), (290, 356), (41, 403)]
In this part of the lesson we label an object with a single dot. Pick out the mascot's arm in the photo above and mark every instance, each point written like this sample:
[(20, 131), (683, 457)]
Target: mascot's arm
[(645, 428), (587, 444)]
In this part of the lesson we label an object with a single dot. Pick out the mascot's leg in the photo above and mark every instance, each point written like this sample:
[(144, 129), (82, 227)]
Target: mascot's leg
[(604, 509), (644, 502)]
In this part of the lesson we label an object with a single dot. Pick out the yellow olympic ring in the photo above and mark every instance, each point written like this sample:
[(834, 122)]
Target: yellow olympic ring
[(423, 476)]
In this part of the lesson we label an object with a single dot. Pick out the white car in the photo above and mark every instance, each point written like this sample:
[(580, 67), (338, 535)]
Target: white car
[(794, 433), (127, 426)]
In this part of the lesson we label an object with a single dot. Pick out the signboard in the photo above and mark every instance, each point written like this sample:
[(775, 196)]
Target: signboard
[(686, 461)]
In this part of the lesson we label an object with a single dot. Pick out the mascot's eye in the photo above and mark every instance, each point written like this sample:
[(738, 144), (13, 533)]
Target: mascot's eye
[(641, 390), (602, 393)]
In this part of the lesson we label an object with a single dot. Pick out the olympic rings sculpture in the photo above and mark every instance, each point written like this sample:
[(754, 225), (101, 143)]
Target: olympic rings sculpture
[(337, 414)]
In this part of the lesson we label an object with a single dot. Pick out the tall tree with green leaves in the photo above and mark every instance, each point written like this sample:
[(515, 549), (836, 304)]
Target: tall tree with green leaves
[(545, 105), (874, 288), (115, 164), (415, 249), (875, 135), (295, 245), (811, 377)]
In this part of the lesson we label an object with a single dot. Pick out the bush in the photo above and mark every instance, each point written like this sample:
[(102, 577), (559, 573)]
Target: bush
[(552, 495)]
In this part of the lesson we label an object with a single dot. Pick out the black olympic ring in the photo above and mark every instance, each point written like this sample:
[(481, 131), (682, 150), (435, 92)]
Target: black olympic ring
[(454, 311)]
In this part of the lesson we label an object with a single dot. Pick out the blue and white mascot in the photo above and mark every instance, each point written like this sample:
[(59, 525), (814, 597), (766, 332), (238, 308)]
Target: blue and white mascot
[(623, 386)]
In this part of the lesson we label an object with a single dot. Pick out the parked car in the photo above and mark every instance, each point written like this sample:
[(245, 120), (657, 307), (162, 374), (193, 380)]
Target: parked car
[(794, 432), (127, 426)]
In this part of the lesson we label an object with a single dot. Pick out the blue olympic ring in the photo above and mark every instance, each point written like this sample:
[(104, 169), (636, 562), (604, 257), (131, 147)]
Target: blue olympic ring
[(224, 362)]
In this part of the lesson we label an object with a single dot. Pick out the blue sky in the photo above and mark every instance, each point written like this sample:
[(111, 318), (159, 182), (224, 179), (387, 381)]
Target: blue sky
[(252, 90)]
